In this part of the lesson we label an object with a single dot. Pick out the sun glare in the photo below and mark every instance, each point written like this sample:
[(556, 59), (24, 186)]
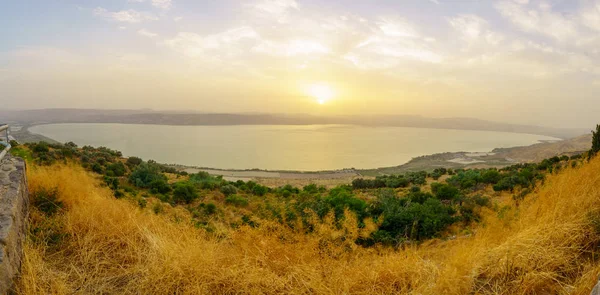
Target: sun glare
[(321, 92)]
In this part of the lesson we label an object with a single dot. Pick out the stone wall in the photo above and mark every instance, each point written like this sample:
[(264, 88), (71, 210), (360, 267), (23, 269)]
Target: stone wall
[(14, 208)]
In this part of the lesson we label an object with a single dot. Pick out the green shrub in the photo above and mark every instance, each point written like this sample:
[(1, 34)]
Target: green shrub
[(47, 201), (142, 202), (146, 175), (157, 208), (228, 190), (260, 190), (134, 161), (97, 168), (184, 192), (41, 147), (444, 191), (236, 200), (206, 181), (160, 186), (210, 208), (117, 169)]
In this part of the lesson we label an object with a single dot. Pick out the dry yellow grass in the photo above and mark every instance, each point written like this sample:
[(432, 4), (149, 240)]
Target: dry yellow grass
[(546, 245)]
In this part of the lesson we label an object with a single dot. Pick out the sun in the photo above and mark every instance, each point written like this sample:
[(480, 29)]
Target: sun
[(321, 92)]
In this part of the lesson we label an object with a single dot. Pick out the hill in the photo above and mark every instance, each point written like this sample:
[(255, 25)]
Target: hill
[(190, 118), (85, 237), (498, 158)]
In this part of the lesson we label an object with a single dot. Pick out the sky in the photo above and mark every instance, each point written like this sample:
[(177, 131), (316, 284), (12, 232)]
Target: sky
[(519, 61)]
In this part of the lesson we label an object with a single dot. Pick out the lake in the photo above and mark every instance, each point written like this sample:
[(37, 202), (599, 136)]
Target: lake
[(301, 148)]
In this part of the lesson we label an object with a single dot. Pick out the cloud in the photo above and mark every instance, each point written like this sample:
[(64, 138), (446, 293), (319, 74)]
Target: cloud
[(475, 31), (225, 44), (278, 10), (396, 28), (590, 15), (541, 19), (292, 48), (146, 33), (163, 4), (127, 16)]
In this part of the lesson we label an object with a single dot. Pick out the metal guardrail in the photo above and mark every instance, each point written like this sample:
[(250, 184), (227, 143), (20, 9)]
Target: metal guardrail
[(6, 143)]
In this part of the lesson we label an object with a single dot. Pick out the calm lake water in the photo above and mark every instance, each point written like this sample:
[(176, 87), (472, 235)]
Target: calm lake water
[(303, 148)]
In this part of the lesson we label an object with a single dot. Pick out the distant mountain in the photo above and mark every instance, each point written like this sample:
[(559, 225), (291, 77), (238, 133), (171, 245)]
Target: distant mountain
[(179, 118)]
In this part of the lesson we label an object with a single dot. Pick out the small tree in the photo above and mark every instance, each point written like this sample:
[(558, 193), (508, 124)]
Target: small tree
[(595, 142), (184, 192), (134, 161), (228, 190)]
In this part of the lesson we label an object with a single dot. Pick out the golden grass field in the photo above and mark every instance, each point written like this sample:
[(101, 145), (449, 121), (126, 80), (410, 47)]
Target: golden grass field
[(100, 245)]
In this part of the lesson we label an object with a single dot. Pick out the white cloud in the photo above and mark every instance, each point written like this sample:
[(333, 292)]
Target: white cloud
[(164, 4), (396, 28), (225, 44), (474, 30), (146, 33), (128, 16), (292, 48), (381, 52), (590, 15), (541, 20), (177, 18), (278, 10)]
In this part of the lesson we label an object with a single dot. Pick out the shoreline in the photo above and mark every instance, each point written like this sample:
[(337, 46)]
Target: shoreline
[(498, 158)]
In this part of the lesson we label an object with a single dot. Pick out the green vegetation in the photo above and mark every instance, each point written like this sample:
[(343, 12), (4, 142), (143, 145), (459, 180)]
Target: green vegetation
[(595, 142), (405, 207)]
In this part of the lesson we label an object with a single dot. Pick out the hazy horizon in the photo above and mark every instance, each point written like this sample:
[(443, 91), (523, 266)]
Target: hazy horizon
[(514, 61)]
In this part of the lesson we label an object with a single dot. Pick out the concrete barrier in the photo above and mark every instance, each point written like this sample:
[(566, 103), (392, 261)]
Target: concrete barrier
[(14, 209)]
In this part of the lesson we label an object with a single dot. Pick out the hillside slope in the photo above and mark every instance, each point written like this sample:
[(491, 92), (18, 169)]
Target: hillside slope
[(94, 243)]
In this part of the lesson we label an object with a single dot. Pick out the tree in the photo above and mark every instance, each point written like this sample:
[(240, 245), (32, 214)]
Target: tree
[(444, 191), (134, 161), (147, 175), (260, 190), (117, 169), (184, 192), (491, 176), (228, 190), (595, 142)]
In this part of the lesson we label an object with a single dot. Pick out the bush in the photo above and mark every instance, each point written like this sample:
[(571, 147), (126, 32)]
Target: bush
[(206, 181), (445, 191), (134, 161), (341, 198), (236, 200), (41, 147), (228, 190), (97, 168), (491, 176), (184, 192), (117, 169), (210, 208), (47, 201), (595, 142), (260, 190), (410, 220), (288, 190), (160, 186), (146, 175)]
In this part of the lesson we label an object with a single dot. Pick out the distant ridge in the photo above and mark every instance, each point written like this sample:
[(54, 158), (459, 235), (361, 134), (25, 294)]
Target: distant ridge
[(145, 116)]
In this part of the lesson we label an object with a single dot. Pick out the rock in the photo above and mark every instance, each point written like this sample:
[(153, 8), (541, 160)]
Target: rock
[(14, 209), (596, 290)]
